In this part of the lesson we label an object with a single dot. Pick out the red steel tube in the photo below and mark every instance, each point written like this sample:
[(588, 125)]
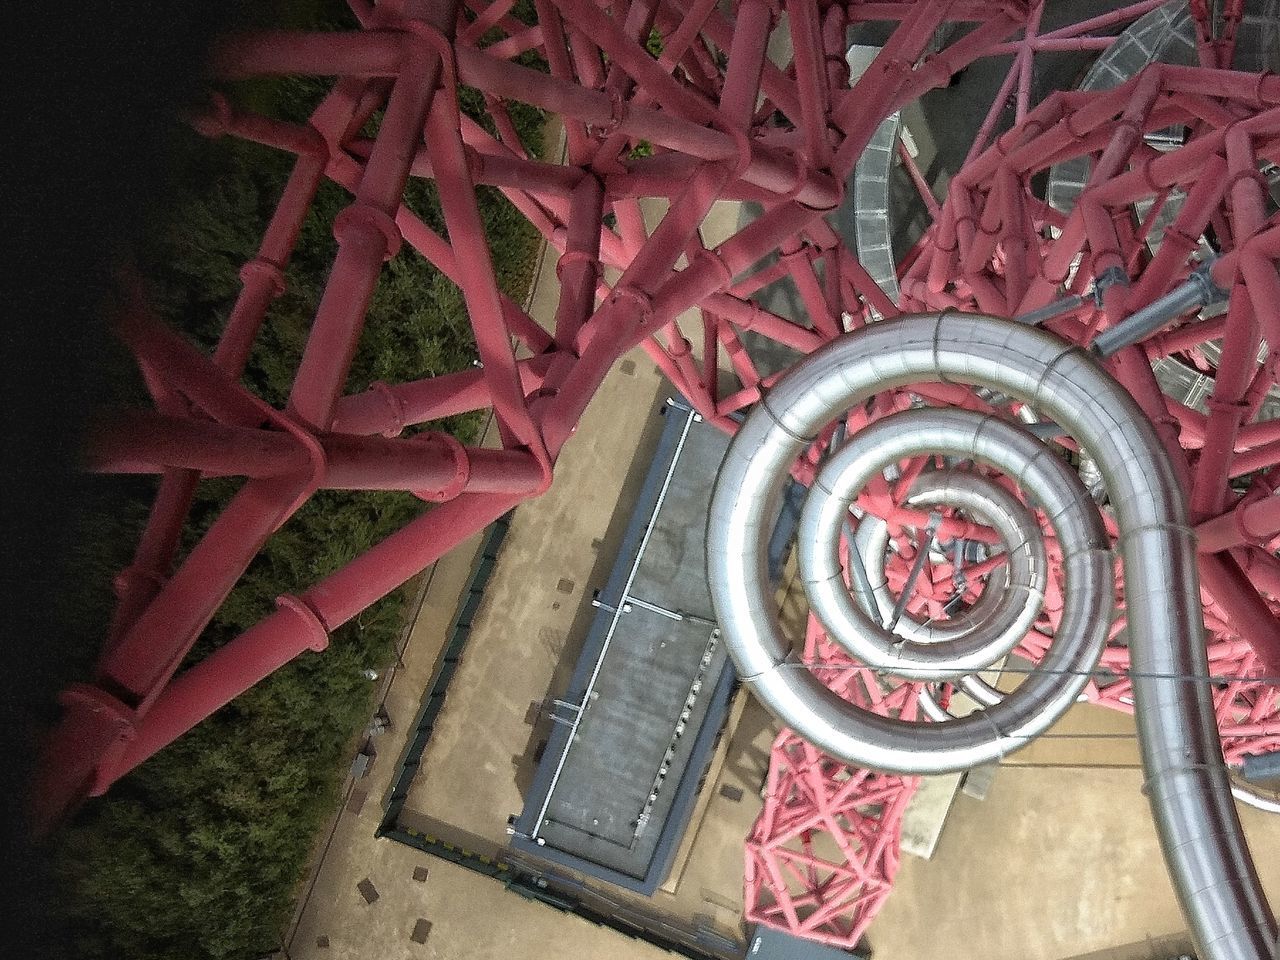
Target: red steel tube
[(1209, 489), (800, 268), (389, 409), (494, 170), (1131, 367), (665, 90), (263, 277), (1262, 569), (1103, 21), (578, 268), (363, 233), (136, 442), (263, 281), (488, 16), (476, 275), (1254, 521), (346, 171), (428, 466), (670, 239), (811, 79), (514, 82), (149, 653), (696, 283), (555, 47), (190, 371), (137, 584), (1202, 199), (298, 138), (768, 168), (143, 442), (777, 86), (686, 26), (636, 25), (302, 625), (1255, 458), (877, 84), (1229, 586)]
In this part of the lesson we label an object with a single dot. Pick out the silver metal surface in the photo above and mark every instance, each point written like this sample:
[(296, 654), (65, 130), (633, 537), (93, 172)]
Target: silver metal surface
[(871, 540), (1187, 781), (950, 648)]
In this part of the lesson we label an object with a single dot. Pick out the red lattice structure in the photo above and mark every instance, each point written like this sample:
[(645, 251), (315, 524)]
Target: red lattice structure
[(708, 118), (711, 137), (821, 858), (994, 248)]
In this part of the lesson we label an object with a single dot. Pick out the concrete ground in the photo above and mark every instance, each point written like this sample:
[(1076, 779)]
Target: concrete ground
[(1055, 863), (470, 916)]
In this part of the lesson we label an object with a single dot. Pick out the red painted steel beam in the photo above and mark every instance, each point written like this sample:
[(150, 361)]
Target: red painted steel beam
[(476, 275), (300, 624), (140, 442), (389, 408), (135, 442), (1253, 521), (366, 230)]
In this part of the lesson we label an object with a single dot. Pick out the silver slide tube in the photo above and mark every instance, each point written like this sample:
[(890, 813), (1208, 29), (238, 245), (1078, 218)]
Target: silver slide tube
[(1186, 779), (986, 501), (921, 653)]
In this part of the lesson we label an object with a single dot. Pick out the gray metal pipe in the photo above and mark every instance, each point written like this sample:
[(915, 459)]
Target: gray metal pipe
[(1197, 291), (1187, 781)]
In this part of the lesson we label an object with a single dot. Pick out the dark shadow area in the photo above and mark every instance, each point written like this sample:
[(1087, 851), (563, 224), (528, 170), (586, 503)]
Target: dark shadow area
[(92, 92), (743, 760)]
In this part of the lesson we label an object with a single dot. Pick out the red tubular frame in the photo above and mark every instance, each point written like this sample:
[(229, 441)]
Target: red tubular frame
[(705, 105)]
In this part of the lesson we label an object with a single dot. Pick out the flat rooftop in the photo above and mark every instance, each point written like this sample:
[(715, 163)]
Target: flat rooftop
[(633, 732)]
